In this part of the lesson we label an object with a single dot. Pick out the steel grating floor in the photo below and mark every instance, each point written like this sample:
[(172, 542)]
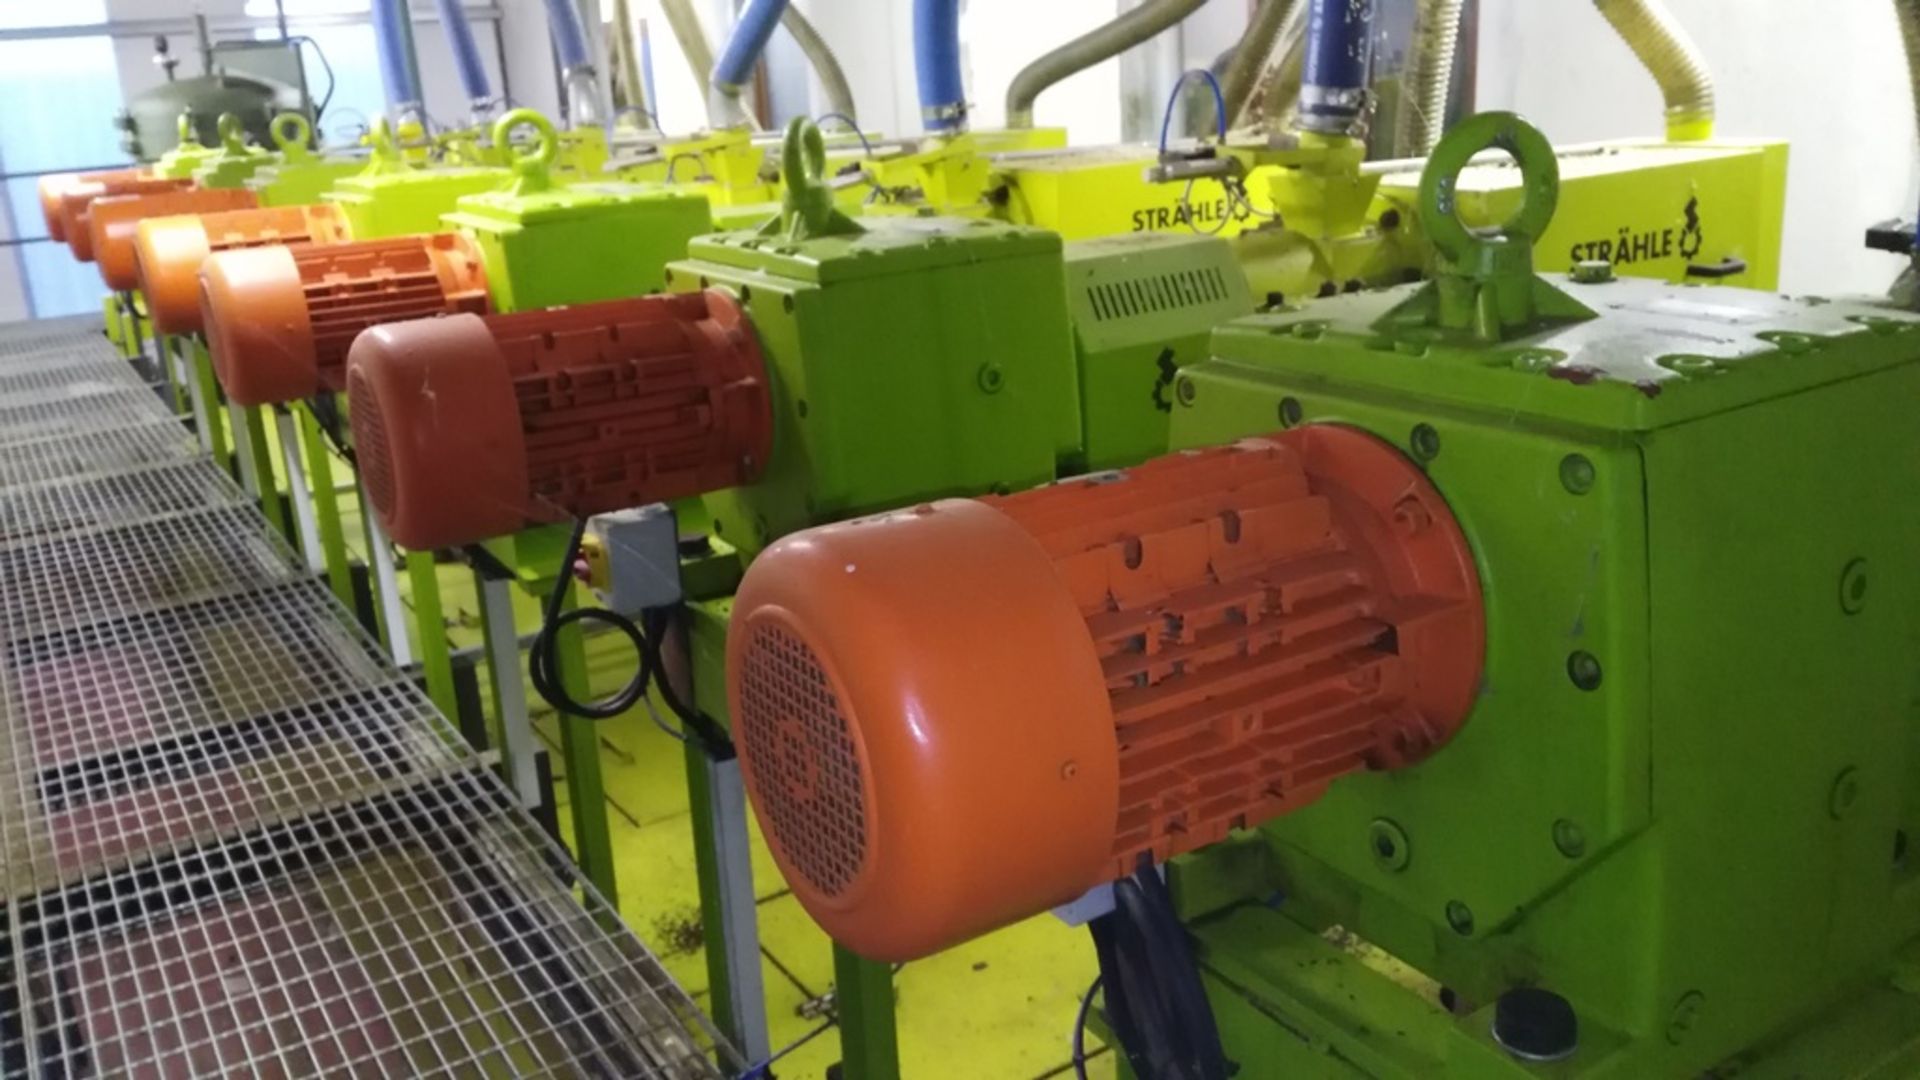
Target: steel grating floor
[(236, 839)]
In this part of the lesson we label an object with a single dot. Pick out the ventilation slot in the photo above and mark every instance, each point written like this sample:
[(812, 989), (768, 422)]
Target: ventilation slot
[(1150, 295)]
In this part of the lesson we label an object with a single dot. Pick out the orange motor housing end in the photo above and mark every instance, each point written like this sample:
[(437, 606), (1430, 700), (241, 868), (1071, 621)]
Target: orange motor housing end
[(168, 251), (76, 205), (53, 186), (115, 222), (469, 428), (956, 716), (279, 320)]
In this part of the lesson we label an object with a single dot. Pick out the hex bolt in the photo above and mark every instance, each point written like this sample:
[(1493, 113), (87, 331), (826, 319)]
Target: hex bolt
[(1184, 390), (1853, 587), (1291, 412), (1685, 1014), (1584, 669), (1569, 838), (1844, 793), (1425, 442), (1592, 272), (1460, 917), (1388, 842), (1576, 474)]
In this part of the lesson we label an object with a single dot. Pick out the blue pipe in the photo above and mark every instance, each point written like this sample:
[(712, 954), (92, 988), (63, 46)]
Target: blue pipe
[(569, 39), (466, 54), (390, 39), (936, 61), (749, 40), (1333, 88)]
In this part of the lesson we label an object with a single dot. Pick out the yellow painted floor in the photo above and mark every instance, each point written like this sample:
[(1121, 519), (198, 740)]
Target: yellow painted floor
[(999, 1007)]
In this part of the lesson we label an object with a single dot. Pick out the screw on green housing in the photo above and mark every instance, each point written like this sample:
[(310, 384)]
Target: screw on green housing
[(1483, 286), (807, 210)]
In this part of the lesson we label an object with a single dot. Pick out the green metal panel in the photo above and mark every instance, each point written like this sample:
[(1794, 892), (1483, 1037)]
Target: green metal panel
[(1682, 798), (299, 183), (1143, 306), (398, 203), (915, 359), (582, 243)]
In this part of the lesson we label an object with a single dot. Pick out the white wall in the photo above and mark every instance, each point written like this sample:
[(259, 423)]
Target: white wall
[(1827, 76)]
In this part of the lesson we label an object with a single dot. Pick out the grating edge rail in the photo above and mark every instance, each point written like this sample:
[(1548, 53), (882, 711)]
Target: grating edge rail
[(236, 839)]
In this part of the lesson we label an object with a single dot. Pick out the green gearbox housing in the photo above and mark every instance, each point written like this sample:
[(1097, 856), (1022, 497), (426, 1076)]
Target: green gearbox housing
[(546, 246), (1685, 796), (914, 358), (923, 357)]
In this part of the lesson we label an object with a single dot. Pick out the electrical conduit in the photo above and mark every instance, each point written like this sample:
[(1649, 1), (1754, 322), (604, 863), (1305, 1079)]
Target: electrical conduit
[(730, 74), (466, 59), (1673, 60), (936, 61), (391, 37), (1123, 33)]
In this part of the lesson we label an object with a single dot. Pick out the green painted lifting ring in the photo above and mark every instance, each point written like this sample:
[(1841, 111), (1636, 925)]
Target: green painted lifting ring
[(183, 128), (803, 164), (291, 130), (533, 164), (233, 136), (1539, 182)]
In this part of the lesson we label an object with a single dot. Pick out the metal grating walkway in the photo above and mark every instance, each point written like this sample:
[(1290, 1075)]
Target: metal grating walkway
[(236, 839)]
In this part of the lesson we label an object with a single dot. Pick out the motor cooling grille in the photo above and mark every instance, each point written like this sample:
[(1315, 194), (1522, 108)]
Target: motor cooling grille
[(807, 764)]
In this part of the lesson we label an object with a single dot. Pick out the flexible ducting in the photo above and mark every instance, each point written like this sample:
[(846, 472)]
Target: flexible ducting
[(1428, 77), (1250, 56), (1088, 49), (833, 78), (1673, 60)]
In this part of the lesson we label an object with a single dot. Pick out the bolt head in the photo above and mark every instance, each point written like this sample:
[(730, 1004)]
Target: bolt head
[(1592, 272), (1577, 474)]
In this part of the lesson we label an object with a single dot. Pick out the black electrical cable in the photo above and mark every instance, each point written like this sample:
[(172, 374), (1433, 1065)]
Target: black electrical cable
[(1080, 1029), (543, 657), (1156, 1005), (646, 637)]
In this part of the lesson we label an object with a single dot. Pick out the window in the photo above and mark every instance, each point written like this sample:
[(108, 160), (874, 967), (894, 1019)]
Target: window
[(61, 95)]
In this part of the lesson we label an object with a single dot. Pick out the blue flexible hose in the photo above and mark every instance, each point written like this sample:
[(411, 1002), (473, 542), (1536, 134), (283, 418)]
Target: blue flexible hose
[(936, 61), (749, 40), (466, 54), (569, 38), (389, 38)]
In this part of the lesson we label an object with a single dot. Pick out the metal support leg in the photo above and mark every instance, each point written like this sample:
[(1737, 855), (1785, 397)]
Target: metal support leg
[(256, 463), (515, 735), (723, 861), (297, 492), (213, 432), (436, 652), (393, 615), (863, 992), (326, 506), (580, 747)]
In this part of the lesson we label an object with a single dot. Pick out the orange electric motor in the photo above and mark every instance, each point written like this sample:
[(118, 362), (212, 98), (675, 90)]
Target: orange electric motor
[(956, 716), (76, 205), (115, 223), (55, 185), (279, 320), (168, 251), (469, 427)]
